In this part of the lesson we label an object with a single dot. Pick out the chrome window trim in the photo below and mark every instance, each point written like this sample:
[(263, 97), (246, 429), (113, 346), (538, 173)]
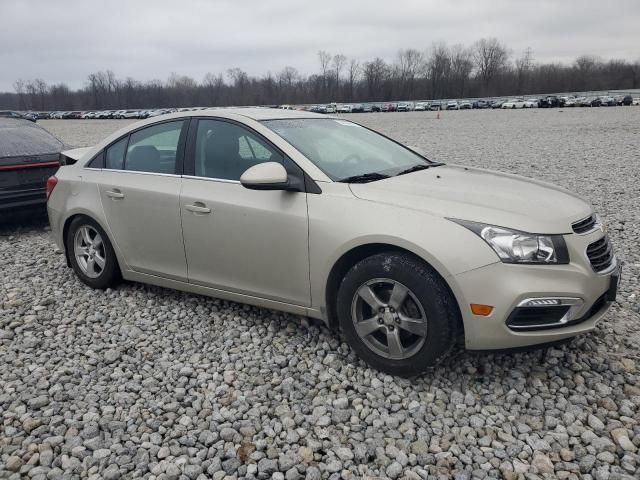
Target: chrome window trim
[(192, 177), (132, 171), (211, 179)]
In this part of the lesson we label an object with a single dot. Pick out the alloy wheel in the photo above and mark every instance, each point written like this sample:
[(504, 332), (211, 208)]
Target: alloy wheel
[(389, 319), (89, 251)]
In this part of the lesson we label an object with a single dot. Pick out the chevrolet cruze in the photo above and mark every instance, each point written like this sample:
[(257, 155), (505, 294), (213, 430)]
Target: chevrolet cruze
[(322, 217)]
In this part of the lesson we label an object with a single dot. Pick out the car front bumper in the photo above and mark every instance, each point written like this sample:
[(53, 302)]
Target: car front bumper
[(506, 287)]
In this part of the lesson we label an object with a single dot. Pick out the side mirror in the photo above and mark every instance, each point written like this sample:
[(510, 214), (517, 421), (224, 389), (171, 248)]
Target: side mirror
[(265, 176)]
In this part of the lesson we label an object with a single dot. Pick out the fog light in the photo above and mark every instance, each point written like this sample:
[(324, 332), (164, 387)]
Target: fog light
[(482, 310)]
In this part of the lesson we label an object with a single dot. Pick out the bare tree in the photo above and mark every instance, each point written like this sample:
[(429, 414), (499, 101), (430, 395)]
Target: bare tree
[(439, 68), (461, 67), (410, 62), (374, 73), (18, 86), (339, 61), (325, 60), (354, 73), (491, 58)]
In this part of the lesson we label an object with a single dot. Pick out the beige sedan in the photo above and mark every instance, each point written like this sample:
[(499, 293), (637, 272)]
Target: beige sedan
[(322, 217)]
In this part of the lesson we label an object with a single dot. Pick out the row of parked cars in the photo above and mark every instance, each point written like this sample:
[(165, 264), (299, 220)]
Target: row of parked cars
[(106, 114), (549, 101)]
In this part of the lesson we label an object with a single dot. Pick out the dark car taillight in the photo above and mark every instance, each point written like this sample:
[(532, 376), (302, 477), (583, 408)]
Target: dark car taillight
[(52, 181)]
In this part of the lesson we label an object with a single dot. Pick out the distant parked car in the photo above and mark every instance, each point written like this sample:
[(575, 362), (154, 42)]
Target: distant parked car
[(453, 105), (635, 101), (531, 103), (464, 105), (591, 102), (345, 108), (376, 107), (435, 106), (607, 101), (127, 114), (514, 103), (17, 115), (420, 107), (29, 155), (389, 107), (550, 101), (627, 100), (481, 104), (497, 103), (405, 106)]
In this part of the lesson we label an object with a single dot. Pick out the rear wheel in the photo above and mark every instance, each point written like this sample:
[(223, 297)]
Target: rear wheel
[(91, 254), (397, 313)]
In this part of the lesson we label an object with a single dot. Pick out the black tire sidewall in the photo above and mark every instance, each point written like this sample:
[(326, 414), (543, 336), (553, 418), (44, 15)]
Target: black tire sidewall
[(110, 275), (431, 292)]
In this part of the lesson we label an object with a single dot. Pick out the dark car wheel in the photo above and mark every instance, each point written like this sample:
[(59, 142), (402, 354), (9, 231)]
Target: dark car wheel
[(91, 254), (397, 313)]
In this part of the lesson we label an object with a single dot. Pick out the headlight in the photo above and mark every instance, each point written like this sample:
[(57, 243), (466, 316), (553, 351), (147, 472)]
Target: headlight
[(513, 246)]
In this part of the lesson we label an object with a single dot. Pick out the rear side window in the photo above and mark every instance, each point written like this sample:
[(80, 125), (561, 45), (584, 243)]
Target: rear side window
[(154, 149), (114, 158)]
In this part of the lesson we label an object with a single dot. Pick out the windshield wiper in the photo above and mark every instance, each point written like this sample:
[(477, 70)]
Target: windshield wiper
[(364, 178), (420, 166)]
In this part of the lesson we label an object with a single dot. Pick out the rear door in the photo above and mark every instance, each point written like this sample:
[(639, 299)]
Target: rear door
[(140, 192)]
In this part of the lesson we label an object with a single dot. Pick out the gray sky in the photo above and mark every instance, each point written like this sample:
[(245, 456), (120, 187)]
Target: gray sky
[(65, 40)]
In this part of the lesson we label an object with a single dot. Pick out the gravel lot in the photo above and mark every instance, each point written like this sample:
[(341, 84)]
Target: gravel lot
[(147, 382)]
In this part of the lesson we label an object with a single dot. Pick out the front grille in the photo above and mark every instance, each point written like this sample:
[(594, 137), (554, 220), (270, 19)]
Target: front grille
[(585, 225), (600, 254)]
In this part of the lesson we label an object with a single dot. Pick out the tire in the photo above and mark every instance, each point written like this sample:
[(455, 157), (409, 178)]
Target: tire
[(97, 249), (427, 298)]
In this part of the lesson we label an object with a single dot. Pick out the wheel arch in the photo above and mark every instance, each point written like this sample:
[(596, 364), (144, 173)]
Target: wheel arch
[(65, 231), (352, 256)]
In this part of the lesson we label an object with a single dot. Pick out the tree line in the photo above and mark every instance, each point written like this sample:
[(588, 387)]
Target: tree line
[(485, 68)]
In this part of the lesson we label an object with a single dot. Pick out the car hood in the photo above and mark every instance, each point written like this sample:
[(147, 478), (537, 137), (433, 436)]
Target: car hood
[(481, 196)]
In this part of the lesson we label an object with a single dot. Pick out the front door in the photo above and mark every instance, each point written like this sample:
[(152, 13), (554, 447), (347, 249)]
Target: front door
[(243, 241)]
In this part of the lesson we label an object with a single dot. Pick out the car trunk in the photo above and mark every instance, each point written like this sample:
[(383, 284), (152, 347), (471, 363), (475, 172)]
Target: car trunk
[(23, 179), (28, 156)]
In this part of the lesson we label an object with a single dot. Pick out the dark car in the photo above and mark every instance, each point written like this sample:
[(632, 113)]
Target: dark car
[(481, 104), (627, 100), (29, 155), (12, 114), (551, 101), (594, 102)]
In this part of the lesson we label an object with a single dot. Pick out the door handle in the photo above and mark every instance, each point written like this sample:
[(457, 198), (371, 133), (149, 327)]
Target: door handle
[(115, 194), (198, 208)]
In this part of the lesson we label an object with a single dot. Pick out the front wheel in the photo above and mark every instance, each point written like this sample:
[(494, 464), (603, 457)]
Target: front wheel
[(91, 254), (397, 313)]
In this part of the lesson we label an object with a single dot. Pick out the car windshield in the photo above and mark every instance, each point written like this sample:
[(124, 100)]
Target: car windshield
[(345, 150)]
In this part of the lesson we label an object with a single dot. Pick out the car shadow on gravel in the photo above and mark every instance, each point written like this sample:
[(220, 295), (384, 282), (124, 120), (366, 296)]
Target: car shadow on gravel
[(16, 222)]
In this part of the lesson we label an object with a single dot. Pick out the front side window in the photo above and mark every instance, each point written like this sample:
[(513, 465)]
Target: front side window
[(344, 149), (154, 149), (225, 150)]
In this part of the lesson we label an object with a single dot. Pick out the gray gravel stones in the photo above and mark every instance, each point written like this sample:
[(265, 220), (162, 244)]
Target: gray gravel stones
[(142, 382)]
